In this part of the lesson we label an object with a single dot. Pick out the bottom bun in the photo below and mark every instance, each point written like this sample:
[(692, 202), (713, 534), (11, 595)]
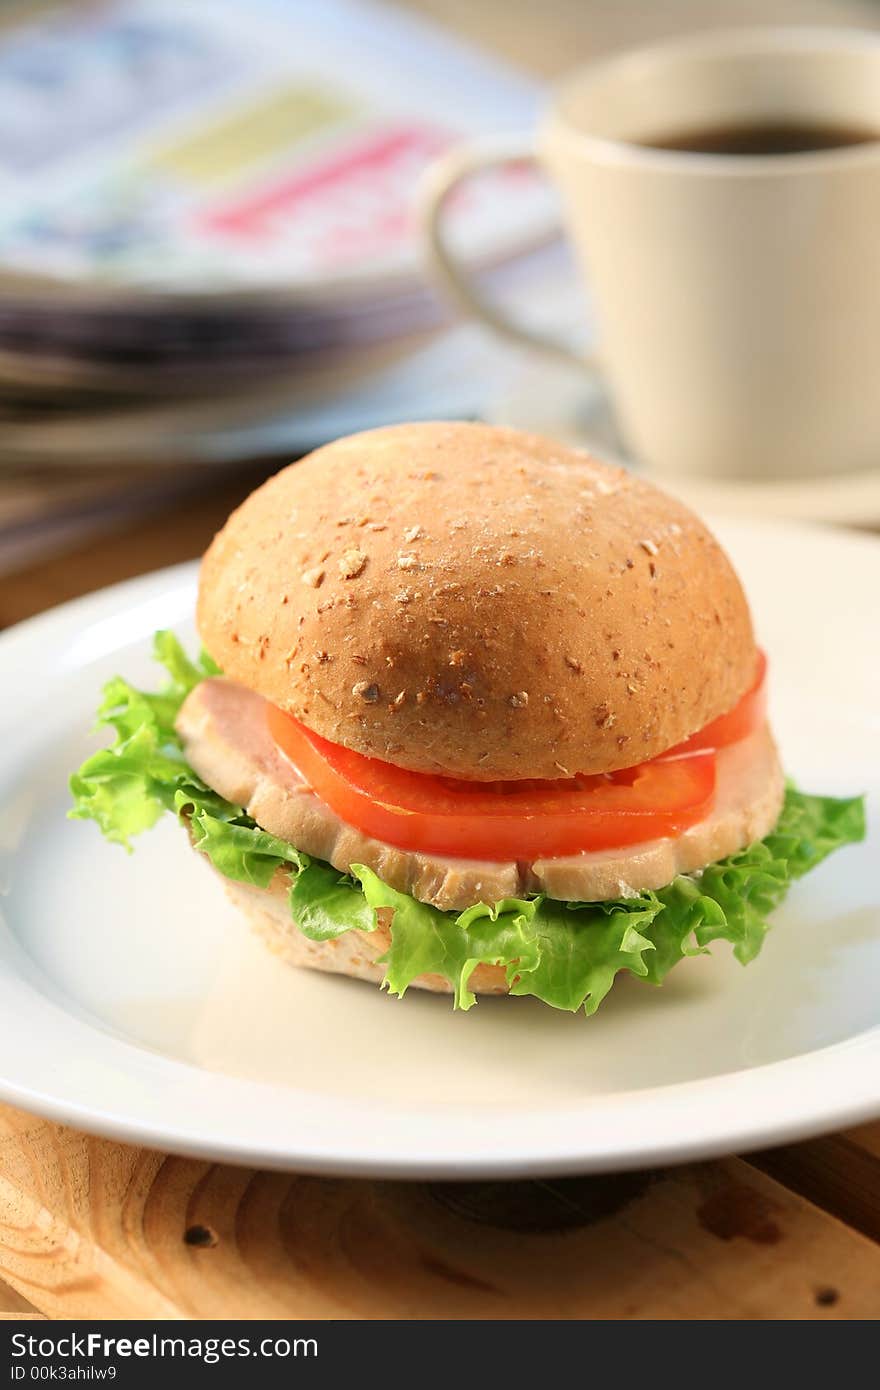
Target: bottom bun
[(354, 953)]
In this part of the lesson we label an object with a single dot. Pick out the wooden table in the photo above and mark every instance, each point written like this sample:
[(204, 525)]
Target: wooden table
[(90, 1228)]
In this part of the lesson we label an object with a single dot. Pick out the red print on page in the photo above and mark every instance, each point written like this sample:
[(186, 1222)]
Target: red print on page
[(352, 201)]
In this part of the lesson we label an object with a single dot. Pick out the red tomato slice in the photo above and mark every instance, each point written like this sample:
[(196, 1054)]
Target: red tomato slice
[(499, 820), (737, 723)]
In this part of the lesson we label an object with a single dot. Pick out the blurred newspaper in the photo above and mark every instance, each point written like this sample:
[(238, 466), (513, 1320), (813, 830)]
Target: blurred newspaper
[(208, 248), (215, 193)]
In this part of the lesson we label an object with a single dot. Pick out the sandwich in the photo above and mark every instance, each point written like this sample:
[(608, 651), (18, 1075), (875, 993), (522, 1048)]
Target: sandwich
[(475, 712)]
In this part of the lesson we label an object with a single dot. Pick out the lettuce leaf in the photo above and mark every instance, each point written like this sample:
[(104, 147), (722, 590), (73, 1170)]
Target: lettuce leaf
[(566, 954), (237, 847), (325, 903), (128, 786)]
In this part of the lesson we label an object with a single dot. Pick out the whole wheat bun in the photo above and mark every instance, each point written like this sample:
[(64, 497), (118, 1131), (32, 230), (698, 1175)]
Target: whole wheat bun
[(478, 602)]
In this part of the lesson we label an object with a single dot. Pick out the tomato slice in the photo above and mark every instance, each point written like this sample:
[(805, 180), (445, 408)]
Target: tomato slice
[(745, 717), (526, 819)]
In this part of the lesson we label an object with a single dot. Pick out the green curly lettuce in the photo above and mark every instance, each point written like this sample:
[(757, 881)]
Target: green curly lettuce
[(564, 953)]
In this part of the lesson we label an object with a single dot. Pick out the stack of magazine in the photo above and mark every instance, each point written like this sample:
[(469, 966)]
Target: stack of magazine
[(208, 247)]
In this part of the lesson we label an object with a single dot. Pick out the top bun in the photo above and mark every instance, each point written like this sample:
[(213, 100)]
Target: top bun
[(473, 601)]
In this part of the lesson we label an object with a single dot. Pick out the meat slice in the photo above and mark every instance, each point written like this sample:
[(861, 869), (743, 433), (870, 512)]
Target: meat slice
[(227, 742)]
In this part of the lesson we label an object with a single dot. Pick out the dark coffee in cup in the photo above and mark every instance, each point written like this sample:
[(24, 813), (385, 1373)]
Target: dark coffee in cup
[(762, 138)]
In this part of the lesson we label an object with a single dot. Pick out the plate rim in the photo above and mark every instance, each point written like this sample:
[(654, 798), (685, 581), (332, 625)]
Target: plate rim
[(470, 1166)]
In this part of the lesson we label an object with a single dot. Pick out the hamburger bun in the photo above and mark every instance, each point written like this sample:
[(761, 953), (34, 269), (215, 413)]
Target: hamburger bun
[(477, 602)]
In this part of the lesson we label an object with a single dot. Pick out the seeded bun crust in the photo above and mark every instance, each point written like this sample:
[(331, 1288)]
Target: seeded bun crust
[(478, 602)]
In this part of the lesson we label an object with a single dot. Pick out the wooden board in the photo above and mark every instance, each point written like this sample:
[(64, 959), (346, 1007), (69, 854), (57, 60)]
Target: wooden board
[(90, 1228), (839, 1171)]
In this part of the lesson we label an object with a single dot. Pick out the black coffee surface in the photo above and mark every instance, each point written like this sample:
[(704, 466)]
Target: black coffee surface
[(762, 139)]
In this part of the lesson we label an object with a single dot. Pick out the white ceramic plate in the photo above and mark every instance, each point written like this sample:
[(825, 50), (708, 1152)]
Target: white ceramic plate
[(135, 1003)]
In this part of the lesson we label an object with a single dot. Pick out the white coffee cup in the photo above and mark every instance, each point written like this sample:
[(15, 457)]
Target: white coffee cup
[(737, 296)]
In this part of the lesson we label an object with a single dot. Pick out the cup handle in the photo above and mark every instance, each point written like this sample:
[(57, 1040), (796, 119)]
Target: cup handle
[(437, 187)]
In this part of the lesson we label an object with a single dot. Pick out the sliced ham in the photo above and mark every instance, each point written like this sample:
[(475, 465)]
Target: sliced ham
[(227, 742)]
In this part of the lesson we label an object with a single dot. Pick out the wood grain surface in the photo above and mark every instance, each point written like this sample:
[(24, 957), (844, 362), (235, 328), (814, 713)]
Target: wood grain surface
[(93, 1228), (840, 1171)]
